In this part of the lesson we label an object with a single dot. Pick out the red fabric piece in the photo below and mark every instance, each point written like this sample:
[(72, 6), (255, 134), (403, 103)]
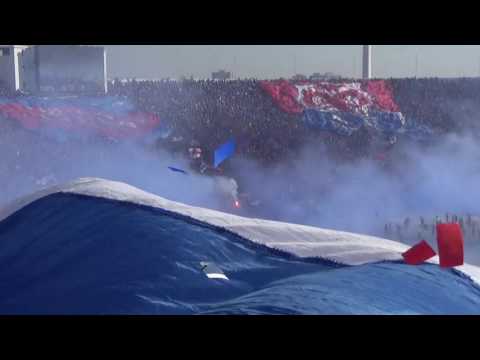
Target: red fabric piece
[(419, 253), (26, 116), (450, 245), (73, 119), (353, 97), (284, 94), (382, 94)]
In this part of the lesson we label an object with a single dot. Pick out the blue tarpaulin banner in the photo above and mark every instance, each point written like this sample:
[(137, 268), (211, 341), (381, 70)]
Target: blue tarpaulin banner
[(344, 123)]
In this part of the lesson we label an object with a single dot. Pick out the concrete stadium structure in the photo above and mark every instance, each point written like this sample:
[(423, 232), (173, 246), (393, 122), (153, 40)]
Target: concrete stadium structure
[(53, 68)]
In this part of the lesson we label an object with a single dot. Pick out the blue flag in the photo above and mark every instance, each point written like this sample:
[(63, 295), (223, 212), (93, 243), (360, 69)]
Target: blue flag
[(345, 123), (224, 152)]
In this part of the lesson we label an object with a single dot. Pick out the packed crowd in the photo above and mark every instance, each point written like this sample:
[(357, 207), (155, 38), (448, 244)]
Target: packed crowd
[(211, 112), (422, 228), (444, 104), (198, 116), (203, 114)]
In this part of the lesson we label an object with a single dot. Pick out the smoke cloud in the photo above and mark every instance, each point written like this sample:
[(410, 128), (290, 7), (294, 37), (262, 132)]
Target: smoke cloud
[(364, 196), (31, 162), (309, 189)]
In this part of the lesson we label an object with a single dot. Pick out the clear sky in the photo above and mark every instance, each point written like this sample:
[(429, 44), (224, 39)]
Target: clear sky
[(270, 61)]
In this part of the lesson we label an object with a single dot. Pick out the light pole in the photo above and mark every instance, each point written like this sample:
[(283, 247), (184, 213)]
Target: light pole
[(367, 61), (416, 66)]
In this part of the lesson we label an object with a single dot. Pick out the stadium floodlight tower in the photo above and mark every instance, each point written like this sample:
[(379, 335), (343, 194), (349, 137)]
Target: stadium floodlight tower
[(367, 61)]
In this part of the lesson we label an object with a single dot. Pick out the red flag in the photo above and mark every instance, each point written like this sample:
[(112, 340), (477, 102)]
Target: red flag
[(382, 95), (419, 253), (284, 93), (450, 245), (295, 97)]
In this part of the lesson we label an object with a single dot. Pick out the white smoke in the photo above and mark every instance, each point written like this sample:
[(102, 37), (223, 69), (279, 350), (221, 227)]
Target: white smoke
[(308, 189), (31, 162)]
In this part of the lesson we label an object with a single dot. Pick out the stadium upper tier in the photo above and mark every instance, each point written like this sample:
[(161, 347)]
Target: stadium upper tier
[(268, 119)]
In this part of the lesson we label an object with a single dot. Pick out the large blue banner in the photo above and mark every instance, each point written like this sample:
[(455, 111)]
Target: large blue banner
[(346, 123)]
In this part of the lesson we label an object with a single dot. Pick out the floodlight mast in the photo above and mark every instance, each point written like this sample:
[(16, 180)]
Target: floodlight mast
[(367, 62)]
